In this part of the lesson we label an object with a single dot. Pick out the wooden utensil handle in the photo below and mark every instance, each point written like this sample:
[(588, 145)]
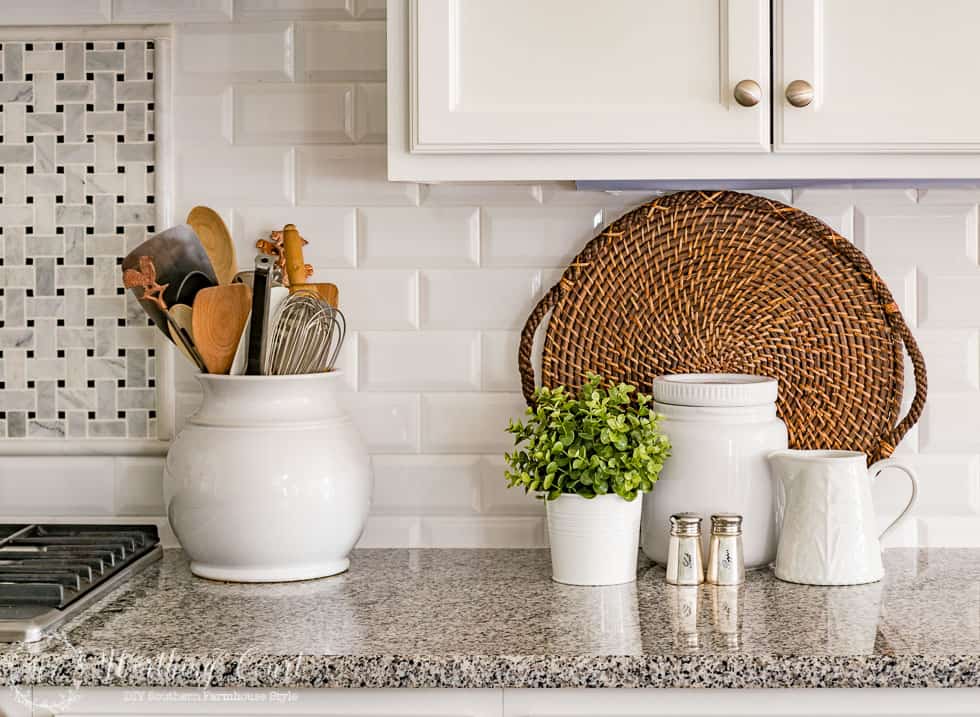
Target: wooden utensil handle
[(296, 269)]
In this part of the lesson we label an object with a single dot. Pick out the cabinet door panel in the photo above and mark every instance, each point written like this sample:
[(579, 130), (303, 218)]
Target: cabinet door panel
[(887, 75), (553, 76)]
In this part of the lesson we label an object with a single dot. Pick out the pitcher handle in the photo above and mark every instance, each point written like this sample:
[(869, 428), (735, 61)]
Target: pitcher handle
[(876, 470)]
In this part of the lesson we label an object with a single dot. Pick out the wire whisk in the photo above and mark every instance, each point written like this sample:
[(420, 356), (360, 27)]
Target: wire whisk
[(307, 337)]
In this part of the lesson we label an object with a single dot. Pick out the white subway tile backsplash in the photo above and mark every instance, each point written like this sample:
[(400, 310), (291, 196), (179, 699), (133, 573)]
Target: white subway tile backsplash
[(388, 422), (349, 176), (340, 51), (952, 358), (426, 485), (469, 422), (294, 9), (374, 300), (481, 194), (139, 486), (139, 11), (499, 361), (46, 486), (949, 297), (897, 234), (537, 237), (419, 361), (485, 299), (209, 56), (369, 9), (482, 532), (302, 114), (497, 498), (329, 231), (951, 423), (391, 531), (949, 531), (418, 237), (56, 12), (371, 113), (221, 175)]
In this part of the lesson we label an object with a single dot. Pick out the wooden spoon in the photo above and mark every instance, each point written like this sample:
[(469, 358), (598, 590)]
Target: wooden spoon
[(180, 322), (214, 235), (219, 318)]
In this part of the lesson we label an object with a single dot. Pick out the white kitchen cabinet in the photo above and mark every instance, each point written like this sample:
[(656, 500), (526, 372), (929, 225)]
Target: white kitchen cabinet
[(645, 90), (886, 76), (629, 76)]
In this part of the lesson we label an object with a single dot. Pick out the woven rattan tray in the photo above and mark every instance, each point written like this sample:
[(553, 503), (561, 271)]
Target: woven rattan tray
[(730, 282)]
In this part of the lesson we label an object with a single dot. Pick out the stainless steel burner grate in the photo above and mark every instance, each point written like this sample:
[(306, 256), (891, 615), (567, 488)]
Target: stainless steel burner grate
[(50, 572)]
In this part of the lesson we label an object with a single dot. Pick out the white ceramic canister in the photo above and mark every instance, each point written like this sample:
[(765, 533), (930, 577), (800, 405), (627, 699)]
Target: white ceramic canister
[(269, 480), (721, 427), (594, 541)]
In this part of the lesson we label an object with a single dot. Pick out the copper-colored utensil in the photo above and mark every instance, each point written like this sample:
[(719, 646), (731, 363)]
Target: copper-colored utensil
[(297, 270)]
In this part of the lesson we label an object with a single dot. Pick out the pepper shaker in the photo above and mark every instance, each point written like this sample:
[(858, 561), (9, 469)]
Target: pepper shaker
[(726, 564), (685, 564)]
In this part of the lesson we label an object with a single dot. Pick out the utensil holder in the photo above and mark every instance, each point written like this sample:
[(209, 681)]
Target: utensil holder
[(269, 480)]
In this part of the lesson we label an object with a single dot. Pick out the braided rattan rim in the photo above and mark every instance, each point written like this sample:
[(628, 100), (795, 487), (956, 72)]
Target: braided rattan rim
[(694, 218)]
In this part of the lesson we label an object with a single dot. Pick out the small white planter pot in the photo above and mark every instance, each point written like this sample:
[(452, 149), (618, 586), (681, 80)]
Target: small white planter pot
[(594, 541), (269, 480)]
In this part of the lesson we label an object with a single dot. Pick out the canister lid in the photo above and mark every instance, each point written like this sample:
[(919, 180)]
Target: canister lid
[(685, 524), (726, 524), (715, 389)]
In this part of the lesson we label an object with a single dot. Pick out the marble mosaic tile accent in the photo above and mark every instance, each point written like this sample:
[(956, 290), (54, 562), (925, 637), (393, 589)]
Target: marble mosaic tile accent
[(76, 194)]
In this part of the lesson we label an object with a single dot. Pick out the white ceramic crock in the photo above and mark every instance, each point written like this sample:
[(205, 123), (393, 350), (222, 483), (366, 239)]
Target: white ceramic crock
[(721, 428), (269, 480), (594, 541)]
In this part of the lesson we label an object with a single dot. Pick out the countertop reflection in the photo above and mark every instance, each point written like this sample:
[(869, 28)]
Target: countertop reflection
[(485, 618)]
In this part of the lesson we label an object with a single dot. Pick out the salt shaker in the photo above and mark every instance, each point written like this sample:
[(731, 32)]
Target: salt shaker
[(685, 564), (726, 564)]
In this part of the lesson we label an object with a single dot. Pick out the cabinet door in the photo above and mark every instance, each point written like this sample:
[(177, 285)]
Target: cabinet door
[(887, 75), (631, 76)]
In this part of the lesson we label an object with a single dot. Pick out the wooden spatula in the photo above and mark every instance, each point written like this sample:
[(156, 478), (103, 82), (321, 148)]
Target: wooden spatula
[(220, 314)]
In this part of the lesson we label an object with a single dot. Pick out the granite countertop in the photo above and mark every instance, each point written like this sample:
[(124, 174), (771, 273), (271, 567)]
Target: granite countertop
[(493, 618)]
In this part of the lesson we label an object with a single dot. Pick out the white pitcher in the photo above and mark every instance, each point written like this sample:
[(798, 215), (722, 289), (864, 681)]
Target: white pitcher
[(826, 519)]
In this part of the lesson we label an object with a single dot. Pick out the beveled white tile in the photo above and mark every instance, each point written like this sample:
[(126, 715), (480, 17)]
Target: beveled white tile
[(419, 361), (943, 236), (497, 498), (340, 51), (949, 298), (951, 423), (949, 531), (482, 532), (214, 174), (369, 9), (391, 531), (139, 486), (349, 176), (271, 113), (375, 299), (499, 361), (56, 485), (484, 299), (469, 422), (57, 12), (294, 9), (425, 485), (371, 113), (329, 231), (948, 484), (952, 358), (138, 11), (392, 237), (387, 422), (207, 57), (536, 236), (481, 194)]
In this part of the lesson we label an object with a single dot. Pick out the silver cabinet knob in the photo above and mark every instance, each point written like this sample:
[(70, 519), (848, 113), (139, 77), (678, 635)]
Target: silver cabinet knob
[(799, 93), (748, 93)]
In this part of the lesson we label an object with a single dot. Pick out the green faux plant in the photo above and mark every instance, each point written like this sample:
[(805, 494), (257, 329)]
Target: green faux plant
[(602, 440)]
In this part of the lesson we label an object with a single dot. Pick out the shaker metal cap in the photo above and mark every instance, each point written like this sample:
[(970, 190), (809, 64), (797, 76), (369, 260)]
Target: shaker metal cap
[(726, 524), (685, 524)]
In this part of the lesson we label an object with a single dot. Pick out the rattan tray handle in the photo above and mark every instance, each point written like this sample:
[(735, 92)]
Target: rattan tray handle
[(886, 442)]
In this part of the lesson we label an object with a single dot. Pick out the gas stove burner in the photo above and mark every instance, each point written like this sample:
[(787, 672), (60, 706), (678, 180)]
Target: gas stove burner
[(48, 573)]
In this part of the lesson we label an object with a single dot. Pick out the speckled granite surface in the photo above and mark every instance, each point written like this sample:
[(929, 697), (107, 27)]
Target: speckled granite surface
[(493, 618)]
